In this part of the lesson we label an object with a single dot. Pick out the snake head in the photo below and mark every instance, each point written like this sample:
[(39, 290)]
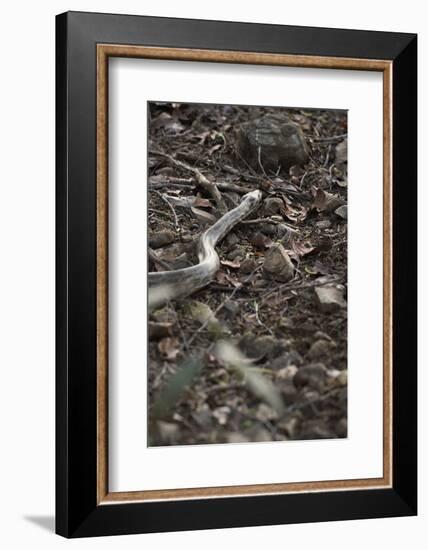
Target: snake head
[(253, 198)]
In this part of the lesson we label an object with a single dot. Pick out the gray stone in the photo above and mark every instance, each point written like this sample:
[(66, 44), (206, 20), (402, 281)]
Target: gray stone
[(272, 205), (248, 265), (268, 228), (342, 152), (313, 376), (273, 144), (324, 224), (342, 212), (162, 238), (277, 264), (329, 299), (320, 349)]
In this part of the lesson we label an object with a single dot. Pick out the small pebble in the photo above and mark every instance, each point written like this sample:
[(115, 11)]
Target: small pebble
[(342, 211), (162, 238), (312, 375), (248, 265), (320, 349), (277, 264), (323, 224)]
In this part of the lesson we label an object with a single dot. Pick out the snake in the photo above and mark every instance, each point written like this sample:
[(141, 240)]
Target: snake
[(164, 286)]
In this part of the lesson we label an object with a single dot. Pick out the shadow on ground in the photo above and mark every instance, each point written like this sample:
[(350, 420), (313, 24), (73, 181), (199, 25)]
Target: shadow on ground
[(45, 522)]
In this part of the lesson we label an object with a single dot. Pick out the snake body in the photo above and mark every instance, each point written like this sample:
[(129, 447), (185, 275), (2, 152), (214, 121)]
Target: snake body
[(170, 285)]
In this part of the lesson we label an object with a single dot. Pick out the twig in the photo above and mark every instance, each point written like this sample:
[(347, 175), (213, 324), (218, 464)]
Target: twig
[(327, 139), (288, 286), (259, 321), (269, 220), (155, 258), (166, 201), (259, 152), (204, 182), (234, 187)]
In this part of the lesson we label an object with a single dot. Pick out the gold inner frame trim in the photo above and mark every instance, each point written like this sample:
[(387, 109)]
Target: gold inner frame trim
[(104, 51)]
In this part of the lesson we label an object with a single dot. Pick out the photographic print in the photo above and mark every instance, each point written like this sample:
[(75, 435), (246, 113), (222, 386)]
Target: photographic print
[(247, 261), (212, 291)]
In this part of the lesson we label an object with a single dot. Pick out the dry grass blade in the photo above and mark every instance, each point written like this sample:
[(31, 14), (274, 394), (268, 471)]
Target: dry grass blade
[(176, 386), (259, 385)]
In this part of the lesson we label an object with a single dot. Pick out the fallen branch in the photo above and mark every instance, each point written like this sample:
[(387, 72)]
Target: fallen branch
[(204, 182)]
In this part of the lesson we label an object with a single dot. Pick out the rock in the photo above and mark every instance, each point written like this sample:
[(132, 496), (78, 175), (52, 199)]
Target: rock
[(342, 211), (342, 152), (221, 414), (277, 264), (288, 391), (257, 433), (260, 241), (205, 316), (268, 228), (248, 265), (266, 413), (272, 205), (236, 253), (283, 231), (273, 144), (313, 376), (326, 202), (162, 238), (287, 373), (204, 418), (324, 224), (329, 299), (342, 379), (256, 348), (319, 335), (320, 349), (289, 426), (285, 360), (280, 349)]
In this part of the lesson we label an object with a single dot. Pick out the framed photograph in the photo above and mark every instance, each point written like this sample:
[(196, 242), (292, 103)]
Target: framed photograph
[(236, 274)]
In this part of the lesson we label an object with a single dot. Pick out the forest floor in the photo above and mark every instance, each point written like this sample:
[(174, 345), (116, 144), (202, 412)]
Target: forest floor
[(288, 377)]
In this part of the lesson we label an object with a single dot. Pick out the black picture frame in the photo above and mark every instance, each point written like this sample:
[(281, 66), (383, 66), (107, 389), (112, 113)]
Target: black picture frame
[(78, 511)]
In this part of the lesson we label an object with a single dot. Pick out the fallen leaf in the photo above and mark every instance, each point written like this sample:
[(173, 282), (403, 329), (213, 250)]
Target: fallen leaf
[(293, 213), (326, 202), (202, 203), (234, 264), (202, 215), (260, 241), (302, 248)]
